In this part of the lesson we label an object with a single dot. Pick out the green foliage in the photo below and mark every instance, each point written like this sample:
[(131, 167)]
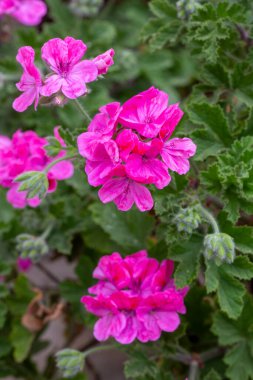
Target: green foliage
[(238, 335)]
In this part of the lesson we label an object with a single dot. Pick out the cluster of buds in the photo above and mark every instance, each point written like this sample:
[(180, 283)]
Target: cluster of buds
[(31, 247), (219, 247), (188, 219), (70, 362), (186, 7), (88, 8)]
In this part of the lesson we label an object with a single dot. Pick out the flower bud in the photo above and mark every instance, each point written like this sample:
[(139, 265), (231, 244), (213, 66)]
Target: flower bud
[(35, 183), (219, 247), (188, 219), (186, 7), (31, 247), (70, 362), (89, 8)]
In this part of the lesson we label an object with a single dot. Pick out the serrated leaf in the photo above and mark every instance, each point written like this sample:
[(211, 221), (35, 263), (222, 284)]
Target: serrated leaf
[(230, 291), (139, 366), (212, 117), (21, 340), (212, 375), (163, 9), (188, 254), (130, 230), (238, 333)]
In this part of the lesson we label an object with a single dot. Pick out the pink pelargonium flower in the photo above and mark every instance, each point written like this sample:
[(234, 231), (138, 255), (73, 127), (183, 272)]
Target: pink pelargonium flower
[(30, 82), (27, 12), (124, 154), (104, 61), (135, 298), (70, 73), (26, 152)]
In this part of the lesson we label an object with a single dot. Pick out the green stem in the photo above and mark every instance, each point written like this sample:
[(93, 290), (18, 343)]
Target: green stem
[(64, 158), (96, 349), (46, 232), (194, 370), (80, 107), (209, 217)]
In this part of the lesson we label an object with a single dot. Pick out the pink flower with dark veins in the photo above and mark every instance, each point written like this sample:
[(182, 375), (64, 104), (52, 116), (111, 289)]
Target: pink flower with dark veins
[(70, 73), (135, 298), (128, 147), (30, 82), (27, 12)]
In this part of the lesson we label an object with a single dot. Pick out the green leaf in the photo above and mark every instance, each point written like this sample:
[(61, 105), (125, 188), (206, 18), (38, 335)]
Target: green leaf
[(5, 347), (188, 254), (239, 334), (213, 118), (230, 291), (212, 375), (242, 235), (139, 365), (3, 313), (241, 268), (207, 146), (21, 340), (22, 296), (130, 229), (163, 9)]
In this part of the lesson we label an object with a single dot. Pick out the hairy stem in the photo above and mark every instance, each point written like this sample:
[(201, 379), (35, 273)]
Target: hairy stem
[(64, 158), (82, 110), (209, 218)]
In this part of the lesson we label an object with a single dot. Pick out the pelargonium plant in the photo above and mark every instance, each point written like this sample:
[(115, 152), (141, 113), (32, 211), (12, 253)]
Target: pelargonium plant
[(137, 140)]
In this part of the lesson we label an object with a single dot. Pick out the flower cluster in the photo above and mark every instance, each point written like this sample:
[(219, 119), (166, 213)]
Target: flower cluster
[(27, 12), (26, 152), (69, 73), (127, 147), (134, 298)]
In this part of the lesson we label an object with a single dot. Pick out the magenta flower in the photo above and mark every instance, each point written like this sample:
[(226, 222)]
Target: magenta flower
[(30, 82), (25, 152), (24, 264), (125, 158), (135, 298), (27, 12), (104, 61), (70, 74)]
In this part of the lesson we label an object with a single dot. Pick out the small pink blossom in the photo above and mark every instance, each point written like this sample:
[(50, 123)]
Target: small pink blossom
[(70, 74), (24, 264), (104, 61), (128, 147), (30, 82), (26, 152), (135, 298), (27, 12)]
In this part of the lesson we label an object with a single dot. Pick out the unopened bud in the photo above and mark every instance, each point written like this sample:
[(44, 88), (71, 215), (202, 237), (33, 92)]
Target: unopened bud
[(88, 8), (32, 247), (188, 219), (70, 362), (35, 183), (219, 247), (186, 7)]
